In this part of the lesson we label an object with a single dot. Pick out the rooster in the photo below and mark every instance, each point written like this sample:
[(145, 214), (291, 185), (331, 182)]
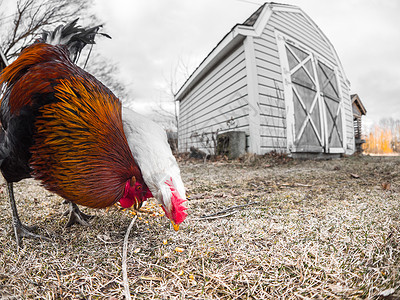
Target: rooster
[(63, 127), (161, 174), (148, 144)]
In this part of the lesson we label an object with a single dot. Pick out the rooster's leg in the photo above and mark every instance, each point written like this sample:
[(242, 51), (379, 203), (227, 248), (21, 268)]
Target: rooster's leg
[(76, 216), (20, 229)]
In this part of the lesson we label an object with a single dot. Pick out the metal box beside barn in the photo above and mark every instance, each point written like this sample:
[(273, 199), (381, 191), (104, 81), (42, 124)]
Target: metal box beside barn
[(275, 77), (231, 144)]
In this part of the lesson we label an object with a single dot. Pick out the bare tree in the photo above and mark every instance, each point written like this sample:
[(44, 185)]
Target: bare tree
[(31, 17), (168, 117), (107, 72), (179, 74), (390, 123)]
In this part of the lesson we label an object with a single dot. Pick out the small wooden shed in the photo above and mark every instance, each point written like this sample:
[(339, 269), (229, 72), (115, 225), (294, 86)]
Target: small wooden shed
[(358, 111), (275, 77)]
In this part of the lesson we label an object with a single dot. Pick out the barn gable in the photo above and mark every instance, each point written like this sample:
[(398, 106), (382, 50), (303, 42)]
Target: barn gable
[(277, 78)]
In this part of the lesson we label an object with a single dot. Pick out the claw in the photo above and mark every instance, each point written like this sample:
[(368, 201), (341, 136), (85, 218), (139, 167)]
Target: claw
[(76, 216), (24, 231), (21, 230)]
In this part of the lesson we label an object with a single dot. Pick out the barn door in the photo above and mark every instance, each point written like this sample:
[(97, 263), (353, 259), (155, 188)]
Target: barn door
[(308, 131), (313, 101), (332, 107)]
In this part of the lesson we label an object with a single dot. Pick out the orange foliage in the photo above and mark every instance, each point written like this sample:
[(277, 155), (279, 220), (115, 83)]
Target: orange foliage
[(380, 141)]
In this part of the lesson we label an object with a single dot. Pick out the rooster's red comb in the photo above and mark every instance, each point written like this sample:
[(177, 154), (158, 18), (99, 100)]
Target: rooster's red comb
[(178, 209)]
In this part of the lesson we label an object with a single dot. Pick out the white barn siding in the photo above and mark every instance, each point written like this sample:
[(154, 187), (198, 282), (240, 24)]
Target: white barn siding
[(349, 144), (295, 26), (245, 89), (299, 28), (217, 102), (271, 98)]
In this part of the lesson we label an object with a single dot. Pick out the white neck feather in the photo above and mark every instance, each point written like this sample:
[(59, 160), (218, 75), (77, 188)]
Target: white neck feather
[(151, 151)]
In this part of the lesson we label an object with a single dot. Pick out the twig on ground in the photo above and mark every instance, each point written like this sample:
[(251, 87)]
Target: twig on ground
[(217, 216), (124, 254), (226, 210), (183, 292), (294, 185), (165, 269)]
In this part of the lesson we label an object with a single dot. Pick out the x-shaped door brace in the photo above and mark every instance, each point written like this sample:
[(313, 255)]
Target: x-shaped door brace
[(328, 80), (301, 64), (308, 116), (334, 119), (320, 87)]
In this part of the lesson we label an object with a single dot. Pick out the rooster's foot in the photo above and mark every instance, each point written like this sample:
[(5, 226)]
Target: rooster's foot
[(21, 230), (76, 216), (24, 231)]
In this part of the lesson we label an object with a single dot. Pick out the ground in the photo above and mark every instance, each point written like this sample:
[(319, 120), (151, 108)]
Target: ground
[(275, 228)]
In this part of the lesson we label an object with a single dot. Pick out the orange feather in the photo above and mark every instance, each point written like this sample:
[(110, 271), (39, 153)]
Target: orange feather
[(35, 58), (82, 139), (77, 146)]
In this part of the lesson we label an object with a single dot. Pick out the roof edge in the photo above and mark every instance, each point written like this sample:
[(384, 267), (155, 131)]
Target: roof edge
[(333, 49), (217, 53), (259, 19), (238, 33), (356, 98)]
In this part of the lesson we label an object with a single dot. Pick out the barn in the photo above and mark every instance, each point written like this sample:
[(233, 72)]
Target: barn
[(278, 80)]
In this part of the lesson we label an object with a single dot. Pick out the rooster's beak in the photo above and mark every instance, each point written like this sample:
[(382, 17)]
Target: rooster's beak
[(176, 226), (136, 204)]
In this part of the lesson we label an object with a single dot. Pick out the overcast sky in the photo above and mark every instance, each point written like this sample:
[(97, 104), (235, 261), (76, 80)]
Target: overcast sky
[(150, 37)]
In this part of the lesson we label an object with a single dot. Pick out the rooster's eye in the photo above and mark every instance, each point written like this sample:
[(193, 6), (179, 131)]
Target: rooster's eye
[(139, 188)]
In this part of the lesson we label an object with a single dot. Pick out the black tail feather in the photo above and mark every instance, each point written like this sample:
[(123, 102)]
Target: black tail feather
[(73, 36)]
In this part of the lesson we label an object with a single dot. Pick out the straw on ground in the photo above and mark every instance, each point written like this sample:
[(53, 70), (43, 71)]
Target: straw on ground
[(306, 230)]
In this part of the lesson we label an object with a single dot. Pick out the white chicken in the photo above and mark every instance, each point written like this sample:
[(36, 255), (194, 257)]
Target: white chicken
[(151, 151)]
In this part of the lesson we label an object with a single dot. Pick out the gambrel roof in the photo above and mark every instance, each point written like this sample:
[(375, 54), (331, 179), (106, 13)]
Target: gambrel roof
[(254, 27), (253, 18)]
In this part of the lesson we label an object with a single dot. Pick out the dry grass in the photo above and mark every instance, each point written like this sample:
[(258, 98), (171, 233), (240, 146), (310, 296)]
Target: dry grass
[(315, 231)]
